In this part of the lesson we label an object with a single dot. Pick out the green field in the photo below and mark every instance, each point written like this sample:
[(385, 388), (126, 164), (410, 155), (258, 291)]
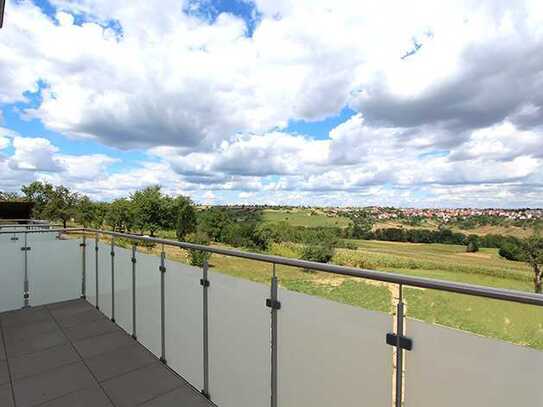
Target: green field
[(303, 217)]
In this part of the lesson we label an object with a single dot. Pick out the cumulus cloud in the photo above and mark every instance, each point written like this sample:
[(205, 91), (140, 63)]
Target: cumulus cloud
[(447, 98)]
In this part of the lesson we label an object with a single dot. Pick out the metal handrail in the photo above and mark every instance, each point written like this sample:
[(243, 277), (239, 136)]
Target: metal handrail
[(394, 278)]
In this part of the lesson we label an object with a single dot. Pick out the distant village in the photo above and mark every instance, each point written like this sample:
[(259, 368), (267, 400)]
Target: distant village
[(447, 214)]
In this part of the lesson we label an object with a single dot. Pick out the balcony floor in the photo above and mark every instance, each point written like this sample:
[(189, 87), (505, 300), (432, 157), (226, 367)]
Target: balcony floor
[(70, 355)]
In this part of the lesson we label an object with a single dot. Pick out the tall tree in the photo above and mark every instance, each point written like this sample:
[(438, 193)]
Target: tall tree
[(61, 205), (85, 211), (185, 216), (150, 209), (120, 215), (40, 193), (532, 253)]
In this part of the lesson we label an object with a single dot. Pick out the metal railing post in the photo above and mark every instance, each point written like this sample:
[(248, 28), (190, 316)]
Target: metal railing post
[(84, 267), (204, 282), (26, 288), (162, 269), (134, 292), (399, 349), (96, 269), (275, 305), (112, 279)]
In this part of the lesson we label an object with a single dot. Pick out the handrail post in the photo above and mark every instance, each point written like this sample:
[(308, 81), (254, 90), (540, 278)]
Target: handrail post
[(96, 269), (134, 292), (162, 269), (84, 267), (204, 282), (26, 288), (112, 279), (399, 350), (275, 305)]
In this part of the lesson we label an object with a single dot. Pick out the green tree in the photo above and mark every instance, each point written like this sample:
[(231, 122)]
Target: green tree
[(85, 211), (184, 215), (213, 222), (150, 209), (120, 215), (532, 253), (61, 205), (362, 224), (198, 257), (473, 244), (41, 194)]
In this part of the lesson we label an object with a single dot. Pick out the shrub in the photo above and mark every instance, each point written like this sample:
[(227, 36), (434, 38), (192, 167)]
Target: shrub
[(319, 253), (511, 251), (198, 257), (472, 247)]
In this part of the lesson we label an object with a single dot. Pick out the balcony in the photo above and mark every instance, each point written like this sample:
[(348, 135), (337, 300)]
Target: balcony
[(88, 321)]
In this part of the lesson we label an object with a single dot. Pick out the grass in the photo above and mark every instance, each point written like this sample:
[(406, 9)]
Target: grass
[(304, 217)]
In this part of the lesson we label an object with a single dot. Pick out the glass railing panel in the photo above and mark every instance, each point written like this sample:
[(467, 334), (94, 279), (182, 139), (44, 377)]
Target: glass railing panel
[(184, 323), (239, 339), (11, 273), (54, 270), (148, 302), (333, 354), (104, 278), (451, 368), (90, 268), (123, 288)]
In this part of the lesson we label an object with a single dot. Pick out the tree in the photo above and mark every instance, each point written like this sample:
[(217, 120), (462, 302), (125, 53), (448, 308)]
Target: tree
[(185, 216), (61, 205), (473, 244), (150, 209), (40, 193), (198, 257), (362, 224), (213, 222), (532, 253), (85, 211), (120, 215)]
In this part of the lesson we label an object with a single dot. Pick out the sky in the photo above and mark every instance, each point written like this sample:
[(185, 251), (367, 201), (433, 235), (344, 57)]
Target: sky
[(299, 102)]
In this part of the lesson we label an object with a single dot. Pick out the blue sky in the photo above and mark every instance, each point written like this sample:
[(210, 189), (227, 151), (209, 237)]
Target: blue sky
[(247, 102)]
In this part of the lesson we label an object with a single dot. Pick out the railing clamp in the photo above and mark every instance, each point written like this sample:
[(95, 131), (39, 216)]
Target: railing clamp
[(273, 304), (95, 248), (25, 249), (162, 268), (133, 260), (206, 394), (112, 253), (204, 282), (14, 238), (405, 342), (82, 245)]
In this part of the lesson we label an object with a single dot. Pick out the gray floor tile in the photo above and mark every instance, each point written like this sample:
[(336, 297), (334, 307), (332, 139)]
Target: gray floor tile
[(6, 396), (50, 385), (94, 397), (119, 361), (25, 317), (184, 396), (2, 349), (36, 328), (4, 372), (104, 343), (141, 385), (27, 344), (94, 328), (79, 318), (45, 360), (67, 304)]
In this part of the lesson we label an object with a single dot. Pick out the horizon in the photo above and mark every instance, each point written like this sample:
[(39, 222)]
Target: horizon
[(244, 102)]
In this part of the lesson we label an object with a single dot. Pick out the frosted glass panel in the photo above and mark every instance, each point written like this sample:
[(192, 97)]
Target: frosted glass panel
[(148, 302), (11, 274), (184, 321), (450, 368), (104, 278), (332, 354), (54, 270), (123, 288), (91, 271), (239, 342)]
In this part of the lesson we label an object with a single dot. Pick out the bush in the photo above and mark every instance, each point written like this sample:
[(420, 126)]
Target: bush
[(198, 257), (472, 247), (511, 251), (319, 253)]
